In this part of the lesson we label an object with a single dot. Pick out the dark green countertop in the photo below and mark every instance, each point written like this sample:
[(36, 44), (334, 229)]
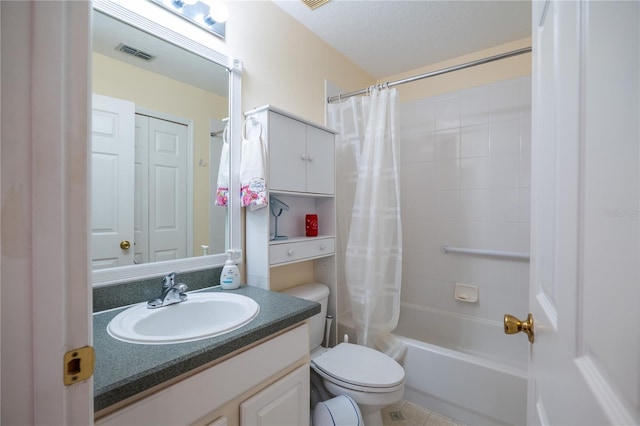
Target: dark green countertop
[(125, 369)]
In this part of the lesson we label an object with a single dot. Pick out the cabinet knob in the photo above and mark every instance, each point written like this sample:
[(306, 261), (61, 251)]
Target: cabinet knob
[(310, 158), (290, 252), (322, 246), (303, 157)]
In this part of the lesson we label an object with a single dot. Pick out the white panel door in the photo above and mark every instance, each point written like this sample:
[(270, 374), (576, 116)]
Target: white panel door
[(585, 292), (112, 146), (141, 190), (287, 154), (320, 161), (168, 154), (285, 402)]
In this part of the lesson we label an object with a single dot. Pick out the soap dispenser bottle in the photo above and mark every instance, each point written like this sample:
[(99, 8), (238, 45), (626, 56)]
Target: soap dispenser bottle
[(230, 276)]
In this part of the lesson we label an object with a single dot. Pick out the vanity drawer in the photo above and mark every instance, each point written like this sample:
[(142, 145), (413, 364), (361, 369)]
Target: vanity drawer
[(299, 250)]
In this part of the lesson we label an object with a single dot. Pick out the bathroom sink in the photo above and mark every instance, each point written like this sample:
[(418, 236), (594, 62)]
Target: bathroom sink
[(201, 316)]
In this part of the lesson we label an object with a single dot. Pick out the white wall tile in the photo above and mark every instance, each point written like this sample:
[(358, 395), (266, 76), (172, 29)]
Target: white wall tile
[(474, 204), (447, 112), (419, 233), (417, 177), (472, 234), (505, 100), (447, 144), (474, 106), (525, 205), (419, 112), (417, 146), (474, 141), (447, 205), (504, 205), (465, 182), (474, 173), (504, 170), (525, 170), (508, 236), (505, 136), (448, 174)]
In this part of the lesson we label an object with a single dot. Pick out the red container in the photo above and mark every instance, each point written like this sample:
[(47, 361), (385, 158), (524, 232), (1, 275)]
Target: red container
[(311, 225)]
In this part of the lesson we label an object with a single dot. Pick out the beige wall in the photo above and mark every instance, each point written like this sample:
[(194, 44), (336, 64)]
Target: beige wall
[(503, 69), (121, 80), (284, 63)]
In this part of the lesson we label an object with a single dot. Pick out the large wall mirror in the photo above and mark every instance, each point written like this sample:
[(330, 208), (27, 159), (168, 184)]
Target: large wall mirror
[(163, 108)]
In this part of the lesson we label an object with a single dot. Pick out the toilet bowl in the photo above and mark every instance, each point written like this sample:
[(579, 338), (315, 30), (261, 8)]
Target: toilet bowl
[(368, 376)]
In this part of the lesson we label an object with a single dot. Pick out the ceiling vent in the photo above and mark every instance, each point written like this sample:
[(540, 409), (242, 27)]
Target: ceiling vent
[(135, 52), (314, 4)]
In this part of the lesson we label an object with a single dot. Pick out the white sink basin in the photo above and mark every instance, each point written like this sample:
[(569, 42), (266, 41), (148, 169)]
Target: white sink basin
[(201, 316)]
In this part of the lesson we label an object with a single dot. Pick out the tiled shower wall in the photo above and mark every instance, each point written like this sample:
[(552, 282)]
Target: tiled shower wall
[(465, 182)]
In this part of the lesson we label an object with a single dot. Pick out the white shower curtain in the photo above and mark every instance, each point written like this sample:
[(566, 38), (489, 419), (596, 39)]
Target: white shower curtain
[(368, 198)]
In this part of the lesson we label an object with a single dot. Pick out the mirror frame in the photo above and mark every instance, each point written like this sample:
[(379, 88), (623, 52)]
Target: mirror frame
[(234, 66)]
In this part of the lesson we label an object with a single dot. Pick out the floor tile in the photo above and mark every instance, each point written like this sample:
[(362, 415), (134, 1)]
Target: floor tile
[(404, 413)]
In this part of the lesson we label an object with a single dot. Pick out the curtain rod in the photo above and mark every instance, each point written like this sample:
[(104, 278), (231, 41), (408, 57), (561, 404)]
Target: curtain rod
[(517, 52)]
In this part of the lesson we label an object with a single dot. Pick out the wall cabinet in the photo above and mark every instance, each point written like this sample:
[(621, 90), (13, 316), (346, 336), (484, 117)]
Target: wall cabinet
[(216, 395), (301, 156), (301, 174)]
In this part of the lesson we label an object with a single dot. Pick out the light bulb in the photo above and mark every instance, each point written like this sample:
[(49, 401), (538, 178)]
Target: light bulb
[(183, 3), (218, 12)]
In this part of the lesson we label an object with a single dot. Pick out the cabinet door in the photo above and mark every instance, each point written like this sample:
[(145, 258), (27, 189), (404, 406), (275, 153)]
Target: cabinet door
[(286, 402), (320, 161), (287, 154)]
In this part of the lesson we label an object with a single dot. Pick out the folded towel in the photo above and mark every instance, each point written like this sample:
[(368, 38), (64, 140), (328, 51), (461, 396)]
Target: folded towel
[(222, 191), (252, 167)]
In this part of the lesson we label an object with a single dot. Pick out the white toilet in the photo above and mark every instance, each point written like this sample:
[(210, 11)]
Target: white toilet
[(373, 379)]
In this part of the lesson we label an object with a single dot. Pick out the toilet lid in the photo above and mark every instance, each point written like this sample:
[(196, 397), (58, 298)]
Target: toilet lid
[(360, 365)]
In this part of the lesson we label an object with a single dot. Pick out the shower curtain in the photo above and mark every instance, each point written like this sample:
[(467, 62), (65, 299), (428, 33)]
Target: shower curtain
[(368, 198)]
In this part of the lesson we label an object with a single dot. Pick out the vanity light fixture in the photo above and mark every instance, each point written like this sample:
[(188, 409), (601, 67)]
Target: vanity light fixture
[(208, 14)]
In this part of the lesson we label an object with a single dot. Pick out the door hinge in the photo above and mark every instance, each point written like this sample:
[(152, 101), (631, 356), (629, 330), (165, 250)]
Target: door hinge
[(78, 365)]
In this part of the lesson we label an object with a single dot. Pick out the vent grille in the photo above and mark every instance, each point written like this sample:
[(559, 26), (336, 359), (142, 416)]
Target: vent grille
[(135, 52), (314, 4)]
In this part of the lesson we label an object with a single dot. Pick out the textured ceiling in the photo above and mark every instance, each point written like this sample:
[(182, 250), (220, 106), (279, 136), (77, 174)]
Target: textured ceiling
[(387, 37)]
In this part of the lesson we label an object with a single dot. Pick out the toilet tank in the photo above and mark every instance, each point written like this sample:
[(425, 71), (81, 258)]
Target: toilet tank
[(315, 292)]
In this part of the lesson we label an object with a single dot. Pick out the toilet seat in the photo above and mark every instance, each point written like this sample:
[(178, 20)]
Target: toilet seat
[(359, 368)]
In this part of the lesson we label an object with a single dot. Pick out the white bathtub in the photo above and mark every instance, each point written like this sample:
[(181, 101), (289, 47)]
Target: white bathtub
[(463, 368)]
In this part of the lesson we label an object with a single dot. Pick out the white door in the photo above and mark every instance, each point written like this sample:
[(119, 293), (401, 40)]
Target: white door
[(141, 190), (168, 187), (112, 171), (585, 292)]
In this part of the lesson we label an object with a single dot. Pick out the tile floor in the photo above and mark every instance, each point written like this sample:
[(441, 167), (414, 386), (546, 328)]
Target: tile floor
[(404, 413)]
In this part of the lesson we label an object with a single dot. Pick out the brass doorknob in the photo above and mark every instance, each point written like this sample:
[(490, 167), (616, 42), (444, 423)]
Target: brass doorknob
[(125, 245), (513, 325)]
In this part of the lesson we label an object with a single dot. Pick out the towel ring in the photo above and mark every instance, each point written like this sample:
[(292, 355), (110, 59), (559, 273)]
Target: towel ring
[(244, 126), (225, 134)]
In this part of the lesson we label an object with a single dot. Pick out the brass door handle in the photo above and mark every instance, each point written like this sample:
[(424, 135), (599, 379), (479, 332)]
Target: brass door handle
[(513, 325), (125, 245)]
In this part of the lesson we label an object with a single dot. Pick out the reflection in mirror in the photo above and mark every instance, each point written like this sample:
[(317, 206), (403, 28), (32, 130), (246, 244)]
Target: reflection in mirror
[(158, 115)]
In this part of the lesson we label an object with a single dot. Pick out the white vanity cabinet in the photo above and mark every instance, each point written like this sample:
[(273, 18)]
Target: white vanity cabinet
[(261, 382), (301, 174)]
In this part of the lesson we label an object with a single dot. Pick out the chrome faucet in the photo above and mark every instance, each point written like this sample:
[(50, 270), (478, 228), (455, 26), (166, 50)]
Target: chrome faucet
[(171, 293)]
